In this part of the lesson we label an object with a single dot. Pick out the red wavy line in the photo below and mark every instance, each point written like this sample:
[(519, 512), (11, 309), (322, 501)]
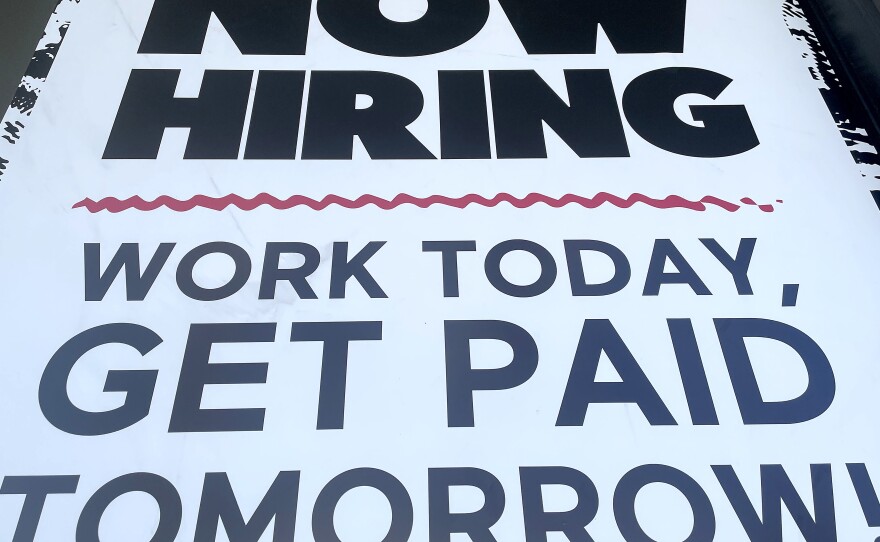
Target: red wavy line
[(115, 205)]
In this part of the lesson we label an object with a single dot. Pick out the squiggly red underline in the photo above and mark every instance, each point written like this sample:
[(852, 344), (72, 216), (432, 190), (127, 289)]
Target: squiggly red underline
[(115, 205)]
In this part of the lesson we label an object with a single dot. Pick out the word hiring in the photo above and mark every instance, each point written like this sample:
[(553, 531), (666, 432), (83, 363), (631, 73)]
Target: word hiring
[(522, 104), (463, 380), (344, 268)]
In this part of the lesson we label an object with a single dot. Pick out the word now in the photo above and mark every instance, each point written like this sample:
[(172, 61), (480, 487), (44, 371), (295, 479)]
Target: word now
[(281, 27)]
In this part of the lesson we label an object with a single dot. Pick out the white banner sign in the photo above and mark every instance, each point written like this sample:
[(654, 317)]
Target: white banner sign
[(445, 271)]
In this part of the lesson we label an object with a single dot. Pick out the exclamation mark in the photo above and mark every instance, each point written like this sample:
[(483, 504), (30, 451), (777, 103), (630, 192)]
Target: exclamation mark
[(861, 480)]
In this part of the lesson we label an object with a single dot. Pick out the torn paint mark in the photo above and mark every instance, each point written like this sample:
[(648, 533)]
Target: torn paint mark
[(830, 87), (38, 69), (24, 99), (13, 131), (28, 91), (43, 57)]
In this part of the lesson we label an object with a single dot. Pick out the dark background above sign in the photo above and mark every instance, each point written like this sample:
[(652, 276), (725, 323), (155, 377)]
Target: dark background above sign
[(21, 26), (849, 31)]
